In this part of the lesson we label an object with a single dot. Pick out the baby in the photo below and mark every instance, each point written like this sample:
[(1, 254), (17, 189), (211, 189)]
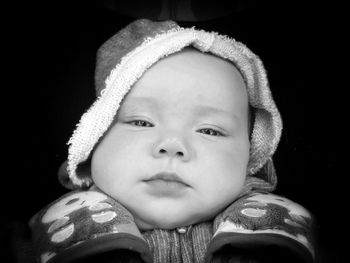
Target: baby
[(173, 160)]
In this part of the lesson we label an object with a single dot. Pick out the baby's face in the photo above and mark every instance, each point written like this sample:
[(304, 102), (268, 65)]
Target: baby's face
[(178, 150)]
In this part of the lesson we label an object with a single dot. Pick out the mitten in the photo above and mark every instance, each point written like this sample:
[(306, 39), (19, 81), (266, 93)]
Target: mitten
[(263, 227), (83, 224)]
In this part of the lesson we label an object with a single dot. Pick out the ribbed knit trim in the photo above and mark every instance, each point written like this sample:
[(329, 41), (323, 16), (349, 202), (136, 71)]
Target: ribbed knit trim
[(172, 247)]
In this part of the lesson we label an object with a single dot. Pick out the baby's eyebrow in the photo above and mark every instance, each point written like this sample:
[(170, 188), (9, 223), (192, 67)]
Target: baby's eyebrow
[(200, 109), (135, 102), (206, 109)]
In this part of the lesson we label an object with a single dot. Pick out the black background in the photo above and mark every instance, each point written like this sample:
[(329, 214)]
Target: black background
[(48, 58)]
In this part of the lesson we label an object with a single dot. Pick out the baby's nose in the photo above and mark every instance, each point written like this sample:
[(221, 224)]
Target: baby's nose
[(173, 148)]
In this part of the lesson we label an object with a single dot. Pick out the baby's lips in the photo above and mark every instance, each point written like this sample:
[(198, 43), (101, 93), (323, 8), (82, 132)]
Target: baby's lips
[(167, 176)]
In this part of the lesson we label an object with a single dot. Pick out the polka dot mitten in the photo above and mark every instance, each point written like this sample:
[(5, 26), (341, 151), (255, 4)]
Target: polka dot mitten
[(82, 224), (263, 227)]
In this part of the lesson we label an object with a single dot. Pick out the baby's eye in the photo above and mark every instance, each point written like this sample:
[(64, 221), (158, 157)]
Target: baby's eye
[(140, 123), (211, 132)]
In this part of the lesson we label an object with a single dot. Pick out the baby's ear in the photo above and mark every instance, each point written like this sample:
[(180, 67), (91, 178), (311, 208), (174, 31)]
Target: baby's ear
[(83, 172)]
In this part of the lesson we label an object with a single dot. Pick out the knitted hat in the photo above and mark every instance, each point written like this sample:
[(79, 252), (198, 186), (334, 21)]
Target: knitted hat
[(123, 59)]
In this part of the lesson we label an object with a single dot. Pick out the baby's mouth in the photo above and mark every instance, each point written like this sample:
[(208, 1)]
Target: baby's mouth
[(167, 178), (166, 185)]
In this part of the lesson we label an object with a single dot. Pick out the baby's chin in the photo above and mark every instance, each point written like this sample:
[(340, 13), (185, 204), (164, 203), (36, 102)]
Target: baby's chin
[(167, 223), (162, 224)]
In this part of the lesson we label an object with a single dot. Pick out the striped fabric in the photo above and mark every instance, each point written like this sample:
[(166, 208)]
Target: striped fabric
[(173, 247)]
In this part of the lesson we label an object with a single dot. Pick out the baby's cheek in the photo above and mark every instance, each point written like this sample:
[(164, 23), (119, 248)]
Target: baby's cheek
[(233, 161), (227, 173)]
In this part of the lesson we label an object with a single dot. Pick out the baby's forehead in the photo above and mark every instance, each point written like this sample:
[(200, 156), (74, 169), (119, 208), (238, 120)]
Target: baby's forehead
[(191, 76), (203, 63), (194, 66)]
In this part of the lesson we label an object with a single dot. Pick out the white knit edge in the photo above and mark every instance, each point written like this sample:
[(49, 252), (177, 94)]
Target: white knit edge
[(259, 95), (100, 115)]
